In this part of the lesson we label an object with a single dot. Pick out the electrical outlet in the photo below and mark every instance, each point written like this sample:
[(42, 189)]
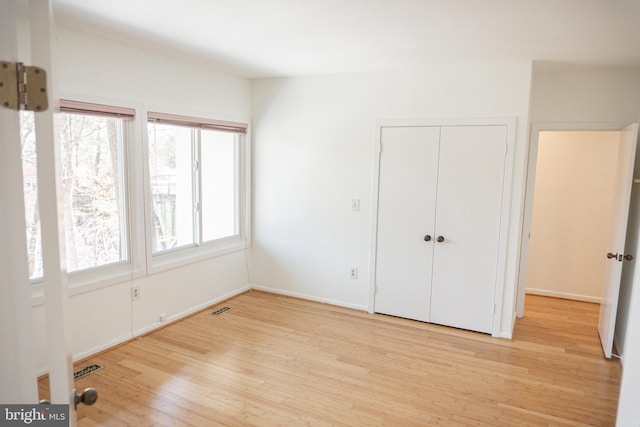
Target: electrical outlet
[(163, 317), (135, 293), (355, 205), (353, 273)]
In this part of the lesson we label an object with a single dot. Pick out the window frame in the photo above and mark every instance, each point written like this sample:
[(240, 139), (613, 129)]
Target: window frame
[(87, 280), (176, 257)]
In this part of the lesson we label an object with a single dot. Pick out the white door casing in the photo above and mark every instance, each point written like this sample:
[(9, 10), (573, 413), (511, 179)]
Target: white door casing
[(613, 269), (471, 191), (524, 248)]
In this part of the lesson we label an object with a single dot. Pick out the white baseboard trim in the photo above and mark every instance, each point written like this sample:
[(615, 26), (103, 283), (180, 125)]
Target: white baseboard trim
[(95, 350), (564, 295), (310, 297), (88, 353), (509, 334), (192, 310), (616, 340), (145, 330)]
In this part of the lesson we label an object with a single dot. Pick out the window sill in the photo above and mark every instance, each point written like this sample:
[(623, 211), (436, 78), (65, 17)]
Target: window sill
[(174, 259), (90, 280)]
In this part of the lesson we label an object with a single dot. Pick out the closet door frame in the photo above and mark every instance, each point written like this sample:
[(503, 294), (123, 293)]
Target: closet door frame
[(501, 283)]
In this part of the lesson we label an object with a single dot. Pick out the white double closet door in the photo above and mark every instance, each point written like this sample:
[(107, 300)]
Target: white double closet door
[(439, 220)]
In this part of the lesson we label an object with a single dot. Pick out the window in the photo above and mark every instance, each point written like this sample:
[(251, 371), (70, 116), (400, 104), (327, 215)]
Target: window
[(194, 181), (195, 188), (219, 184), (170, 168), (93, 186), (93, 190)]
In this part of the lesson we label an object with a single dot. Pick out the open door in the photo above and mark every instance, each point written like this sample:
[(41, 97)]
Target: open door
[(17, 367), (17, 360), (616, 255)]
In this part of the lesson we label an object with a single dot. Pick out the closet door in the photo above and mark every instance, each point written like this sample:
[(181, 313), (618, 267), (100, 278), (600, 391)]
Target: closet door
[(468, 216), (406, 206)]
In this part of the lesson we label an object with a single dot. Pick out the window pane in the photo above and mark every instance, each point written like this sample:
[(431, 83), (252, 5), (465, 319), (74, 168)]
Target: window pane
[(30, 179), (171, 179), (218, 184), (92, 181)]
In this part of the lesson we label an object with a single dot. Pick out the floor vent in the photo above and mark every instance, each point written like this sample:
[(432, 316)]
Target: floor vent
[(86, 371), (219, 311)]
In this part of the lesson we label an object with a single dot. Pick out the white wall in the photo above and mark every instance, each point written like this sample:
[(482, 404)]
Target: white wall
[(585, 95), (314, 152), (572, 213), (98, 68)]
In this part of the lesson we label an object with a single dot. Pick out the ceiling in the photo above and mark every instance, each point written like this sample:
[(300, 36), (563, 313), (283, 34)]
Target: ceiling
[(268, 38)]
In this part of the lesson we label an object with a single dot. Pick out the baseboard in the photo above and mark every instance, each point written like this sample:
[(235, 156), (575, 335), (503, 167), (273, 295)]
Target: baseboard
[(509, 334), (98, 349), (157, 325), (93, 351), (563, 295), (189, 312), (309, 297), (616, 340)]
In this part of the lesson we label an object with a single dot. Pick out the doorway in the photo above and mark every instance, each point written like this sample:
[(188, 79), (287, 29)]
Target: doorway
[(572, 213), (621, 190)]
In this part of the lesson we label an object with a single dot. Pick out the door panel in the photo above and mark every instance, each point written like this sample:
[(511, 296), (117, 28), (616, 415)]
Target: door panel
[(613, 269), (20, 385), (468, 216), (18, 382), (406, 207)]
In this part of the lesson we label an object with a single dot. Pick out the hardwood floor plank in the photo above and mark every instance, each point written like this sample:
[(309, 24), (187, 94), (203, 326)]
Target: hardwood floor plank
[(274, 360)]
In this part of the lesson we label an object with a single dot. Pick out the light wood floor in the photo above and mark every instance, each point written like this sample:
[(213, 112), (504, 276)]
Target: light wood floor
[(274, 360)]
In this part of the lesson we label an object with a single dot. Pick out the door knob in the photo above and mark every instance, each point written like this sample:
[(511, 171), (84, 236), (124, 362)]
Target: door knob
[(427, 238), (612, 256), (628, 257), (440, 239), (88, 397)]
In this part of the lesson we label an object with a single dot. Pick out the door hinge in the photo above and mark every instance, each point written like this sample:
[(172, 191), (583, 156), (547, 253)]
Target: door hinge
[(23, 87)]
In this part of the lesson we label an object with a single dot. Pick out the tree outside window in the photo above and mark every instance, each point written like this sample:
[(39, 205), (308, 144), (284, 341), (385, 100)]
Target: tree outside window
[(92, 191)]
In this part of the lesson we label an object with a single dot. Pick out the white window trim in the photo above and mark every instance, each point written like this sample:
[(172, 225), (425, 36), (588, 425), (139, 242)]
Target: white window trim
[(91, 279), (159, 262)]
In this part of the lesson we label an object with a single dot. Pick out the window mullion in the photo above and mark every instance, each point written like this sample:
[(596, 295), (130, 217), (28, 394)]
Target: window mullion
[(238, 193), (197, 187), (125, 228)]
